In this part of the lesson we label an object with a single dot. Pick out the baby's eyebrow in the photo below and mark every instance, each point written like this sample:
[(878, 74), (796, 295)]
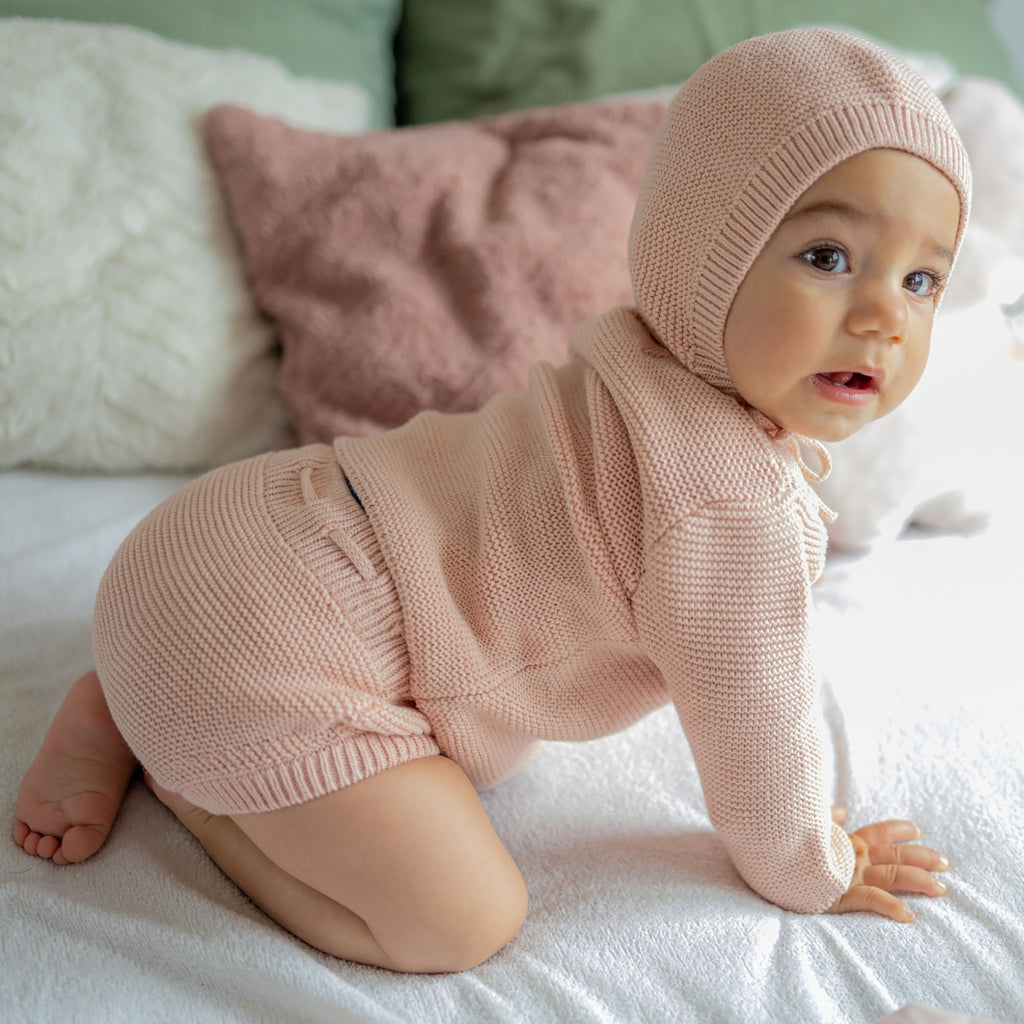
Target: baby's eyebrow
[(853, 213), (833, 206)]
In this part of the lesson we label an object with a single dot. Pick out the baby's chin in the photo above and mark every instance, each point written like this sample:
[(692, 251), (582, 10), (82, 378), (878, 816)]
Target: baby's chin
[(834, 436), (831, 432), (841, 424)]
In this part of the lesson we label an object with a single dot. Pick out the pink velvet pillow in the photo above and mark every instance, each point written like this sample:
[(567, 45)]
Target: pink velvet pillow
[(429, 267)]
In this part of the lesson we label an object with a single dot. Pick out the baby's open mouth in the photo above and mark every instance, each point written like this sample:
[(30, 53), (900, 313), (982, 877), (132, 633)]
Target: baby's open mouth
[(849, 379)]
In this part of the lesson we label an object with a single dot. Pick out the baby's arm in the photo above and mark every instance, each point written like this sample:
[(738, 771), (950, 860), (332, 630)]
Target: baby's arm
[(888, 861), (725, 604), (723, 608)]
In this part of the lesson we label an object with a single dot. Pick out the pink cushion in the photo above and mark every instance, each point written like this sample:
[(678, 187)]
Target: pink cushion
[(429, 267)]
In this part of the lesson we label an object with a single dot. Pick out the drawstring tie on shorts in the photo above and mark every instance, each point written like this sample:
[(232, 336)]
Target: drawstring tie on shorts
[(332, 530)]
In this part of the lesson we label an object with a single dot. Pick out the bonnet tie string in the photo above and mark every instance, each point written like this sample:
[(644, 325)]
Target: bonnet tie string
[(794, 442), (824, 459)]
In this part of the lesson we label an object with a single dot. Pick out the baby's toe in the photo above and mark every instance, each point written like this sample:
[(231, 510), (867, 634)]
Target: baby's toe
[(47, 847), (26, 837), (30, 842), (79, 843), (38, 844)]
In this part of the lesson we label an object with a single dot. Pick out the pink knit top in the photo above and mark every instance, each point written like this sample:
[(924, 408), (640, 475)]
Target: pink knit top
[(628, 532)]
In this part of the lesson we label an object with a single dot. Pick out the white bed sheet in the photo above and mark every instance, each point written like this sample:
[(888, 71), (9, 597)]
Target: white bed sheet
[(636, 913)]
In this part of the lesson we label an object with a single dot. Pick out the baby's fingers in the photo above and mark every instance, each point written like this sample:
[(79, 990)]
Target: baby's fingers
[(911, 854), (903, 878), (884, 832), (873, 900)]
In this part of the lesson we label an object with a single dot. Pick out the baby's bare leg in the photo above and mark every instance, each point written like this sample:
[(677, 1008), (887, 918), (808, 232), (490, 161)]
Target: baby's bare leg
[(402, 870), (74, 788), (304, 911)]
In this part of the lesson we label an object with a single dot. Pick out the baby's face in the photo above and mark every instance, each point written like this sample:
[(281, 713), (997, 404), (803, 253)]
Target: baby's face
[(831, 326)]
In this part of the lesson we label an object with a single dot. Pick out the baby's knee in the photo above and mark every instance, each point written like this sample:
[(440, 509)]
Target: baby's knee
[(494, 927), (471, 934)]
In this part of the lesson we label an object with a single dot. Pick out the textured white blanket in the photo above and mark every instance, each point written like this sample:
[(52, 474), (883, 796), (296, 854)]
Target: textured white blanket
[(636, 913)]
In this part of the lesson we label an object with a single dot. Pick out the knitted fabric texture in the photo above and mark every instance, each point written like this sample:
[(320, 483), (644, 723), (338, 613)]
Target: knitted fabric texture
[(225, 623), (630, 531), (624, 534)]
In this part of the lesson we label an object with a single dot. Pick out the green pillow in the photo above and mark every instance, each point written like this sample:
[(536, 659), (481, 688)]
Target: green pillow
[(462, 58), (343, 40)]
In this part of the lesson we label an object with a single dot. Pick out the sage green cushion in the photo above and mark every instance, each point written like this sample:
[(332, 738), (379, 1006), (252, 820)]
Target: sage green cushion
[(342, 40), (462, 58)]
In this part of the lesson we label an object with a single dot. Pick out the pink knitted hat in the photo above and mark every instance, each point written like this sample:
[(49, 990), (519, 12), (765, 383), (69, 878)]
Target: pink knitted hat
[(746, 136)]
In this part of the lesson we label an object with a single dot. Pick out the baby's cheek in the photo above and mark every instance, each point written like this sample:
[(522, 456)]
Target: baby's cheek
[(904, 384)]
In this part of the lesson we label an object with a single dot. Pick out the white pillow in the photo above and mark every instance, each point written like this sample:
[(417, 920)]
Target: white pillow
[(128, 338)]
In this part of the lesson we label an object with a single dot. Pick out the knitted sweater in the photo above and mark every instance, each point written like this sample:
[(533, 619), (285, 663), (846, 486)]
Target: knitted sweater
[(623, 535), (629, 531)]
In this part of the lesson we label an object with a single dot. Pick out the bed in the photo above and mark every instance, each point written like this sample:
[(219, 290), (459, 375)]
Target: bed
[(214, 241)]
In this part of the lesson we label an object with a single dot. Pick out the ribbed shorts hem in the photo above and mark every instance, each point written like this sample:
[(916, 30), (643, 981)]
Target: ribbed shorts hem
[(317, 774)]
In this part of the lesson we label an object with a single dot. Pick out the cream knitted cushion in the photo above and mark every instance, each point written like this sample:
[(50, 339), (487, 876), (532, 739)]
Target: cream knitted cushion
[(128, 338)]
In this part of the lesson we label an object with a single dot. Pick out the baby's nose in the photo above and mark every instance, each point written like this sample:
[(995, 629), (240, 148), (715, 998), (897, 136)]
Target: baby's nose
[(879, 311)]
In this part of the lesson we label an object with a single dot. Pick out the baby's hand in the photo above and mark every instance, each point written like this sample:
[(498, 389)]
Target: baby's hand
[(888, 862)]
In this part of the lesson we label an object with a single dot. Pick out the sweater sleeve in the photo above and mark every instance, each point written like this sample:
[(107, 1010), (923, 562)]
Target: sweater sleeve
[(723, 609)]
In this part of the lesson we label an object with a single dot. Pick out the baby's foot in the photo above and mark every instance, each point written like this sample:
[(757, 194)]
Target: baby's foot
[(74, 788)]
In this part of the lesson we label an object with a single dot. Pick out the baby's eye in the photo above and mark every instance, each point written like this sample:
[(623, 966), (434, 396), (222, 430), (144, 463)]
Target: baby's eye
[(922, 283), (828, 258)]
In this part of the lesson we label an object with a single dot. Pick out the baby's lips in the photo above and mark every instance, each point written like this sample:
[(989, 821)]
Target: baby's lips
[(858, 378)]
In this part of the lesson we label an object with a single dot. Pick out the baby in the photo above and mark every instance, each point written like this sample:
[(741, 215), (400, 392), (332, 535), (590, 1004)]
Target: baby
[(320, 655)]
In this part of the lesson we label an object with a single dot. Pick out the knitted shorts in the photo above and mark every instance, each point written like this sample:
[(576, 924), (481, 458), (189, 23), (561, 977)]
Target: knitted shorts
[(248, 638)]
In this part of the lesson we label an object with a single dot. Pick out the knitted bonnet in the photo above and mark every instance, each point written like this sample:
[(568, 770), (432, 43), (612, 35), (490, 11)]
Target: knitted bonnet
[(745, 137)]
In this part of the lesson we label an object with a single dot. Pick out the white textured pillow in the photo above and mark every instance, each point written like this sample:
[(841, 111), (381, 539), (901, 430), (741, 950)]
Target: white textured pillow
[(128, 337)]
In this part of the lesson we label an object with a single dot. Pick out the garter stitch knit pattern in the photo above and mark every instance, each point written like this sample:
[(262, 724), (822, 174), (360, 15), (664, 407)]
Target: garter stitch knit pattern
[(560, 563), (630, 531)]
